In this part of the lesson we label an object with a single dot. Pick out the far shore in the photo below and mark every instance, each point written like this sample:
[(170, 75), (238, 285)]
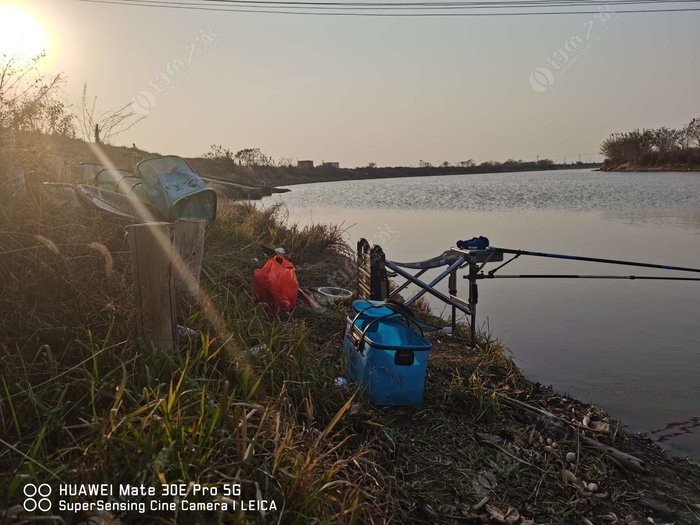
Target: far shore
[(291, 175), (636, 167)]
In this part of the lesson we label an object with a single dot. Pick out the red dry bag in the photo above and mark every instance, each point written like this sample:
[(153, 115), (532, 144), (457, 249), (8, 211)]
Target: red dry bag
[(276, 284)]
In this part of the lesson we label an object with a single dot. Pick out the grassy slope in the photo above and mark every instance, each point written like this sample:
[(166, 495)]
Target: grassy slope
[(82, 401)]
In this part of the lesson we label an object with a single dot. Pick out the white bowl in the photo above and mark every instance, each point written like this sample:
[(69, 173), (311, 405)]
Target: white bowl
[(330, 294)]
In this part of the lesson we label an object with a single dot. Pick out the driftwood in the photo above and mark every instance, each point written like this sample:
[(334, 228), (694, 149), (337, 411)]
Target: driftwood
[(623, 459), (558, 421), (626, 460)]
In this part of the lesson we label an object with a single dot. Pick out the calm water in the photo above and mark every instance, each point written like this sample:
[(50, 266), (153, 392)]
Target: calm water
[(632, 347)]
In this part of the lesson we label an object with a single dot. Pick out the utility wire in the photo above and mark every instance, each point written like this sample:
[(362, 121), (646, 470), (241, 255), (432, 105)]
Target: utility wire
[(362, 12), (339, 6), (404, 5)]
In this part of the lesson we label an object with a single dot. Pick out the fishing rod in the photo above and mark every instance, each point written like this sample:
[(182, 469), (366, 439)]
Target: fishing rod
[(590, 259), (476, 263), (474, 254), (565, 276)]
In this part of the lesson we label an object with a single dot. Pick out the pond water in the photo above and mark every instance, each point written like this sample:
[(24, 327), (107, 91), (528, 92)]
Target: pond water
[(632, 347)]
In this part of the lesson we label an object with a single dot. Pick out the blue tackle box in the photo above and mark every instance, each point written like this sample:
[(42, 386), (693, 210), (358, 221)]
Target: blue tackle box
[(384, 353)]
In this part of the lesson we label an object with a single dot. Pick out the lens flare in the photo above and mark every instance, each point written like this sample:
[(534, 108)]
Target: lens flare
[(21, 34)]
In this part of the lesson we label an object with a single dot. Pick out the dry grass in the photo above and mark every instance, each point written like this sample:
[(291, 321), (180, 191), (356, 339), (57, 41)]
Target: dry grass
[(60, 273), (81, 401)]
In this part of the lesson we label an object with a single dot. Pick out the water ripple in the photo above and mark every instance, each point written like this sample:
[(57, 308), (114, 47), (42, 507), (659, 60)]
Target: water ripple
[(573, 190)]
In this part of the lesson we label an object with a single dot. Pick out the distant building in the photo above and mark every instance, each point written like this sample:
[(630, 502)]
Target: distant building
[(335, 165), (305, 164)]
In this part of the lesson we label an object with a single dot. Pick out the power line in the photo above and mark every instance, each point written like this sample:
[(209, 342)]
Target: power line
[(404, 5), (358, 11), (417, 6)]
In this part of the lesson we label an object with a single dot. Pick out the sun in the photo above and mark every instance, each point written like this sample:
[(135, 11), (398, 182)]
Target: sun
[(21, 34)]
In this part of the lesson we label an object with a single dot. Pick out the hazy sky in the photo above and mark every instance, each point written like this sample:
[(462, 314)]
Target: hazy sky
[(391, 91)]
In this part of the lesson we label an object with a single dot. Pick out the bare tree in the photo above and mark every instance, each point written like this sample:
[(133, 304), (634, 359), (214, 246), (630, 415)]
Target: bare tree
[(29, 101), (692, 132), (104, 126), (665, 139), (219, 152), (628, 146), (252, 157), (654, 146)]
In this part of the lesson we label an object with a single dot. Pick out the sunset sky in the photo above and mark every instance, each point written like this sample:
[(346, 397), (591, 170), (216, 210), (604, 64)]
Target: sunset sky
[(385, 90)]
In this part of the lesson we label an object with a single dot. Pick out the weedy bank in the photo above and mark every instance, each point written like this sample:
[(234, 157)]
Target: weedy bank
[(253, 400)]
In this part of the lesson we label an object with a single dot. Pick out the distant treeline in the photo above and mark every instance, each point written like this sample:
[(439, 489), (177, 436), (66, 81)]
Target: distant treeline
[(252, 167), (256, 158), (663, 148)]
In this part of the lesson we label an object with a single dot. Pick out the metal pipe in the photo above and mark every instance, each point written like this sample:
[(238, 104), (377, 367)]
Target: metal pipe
[(404, 285), (593, 259), (452, 285), (473, 300), (443, 259), (423, 285)]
